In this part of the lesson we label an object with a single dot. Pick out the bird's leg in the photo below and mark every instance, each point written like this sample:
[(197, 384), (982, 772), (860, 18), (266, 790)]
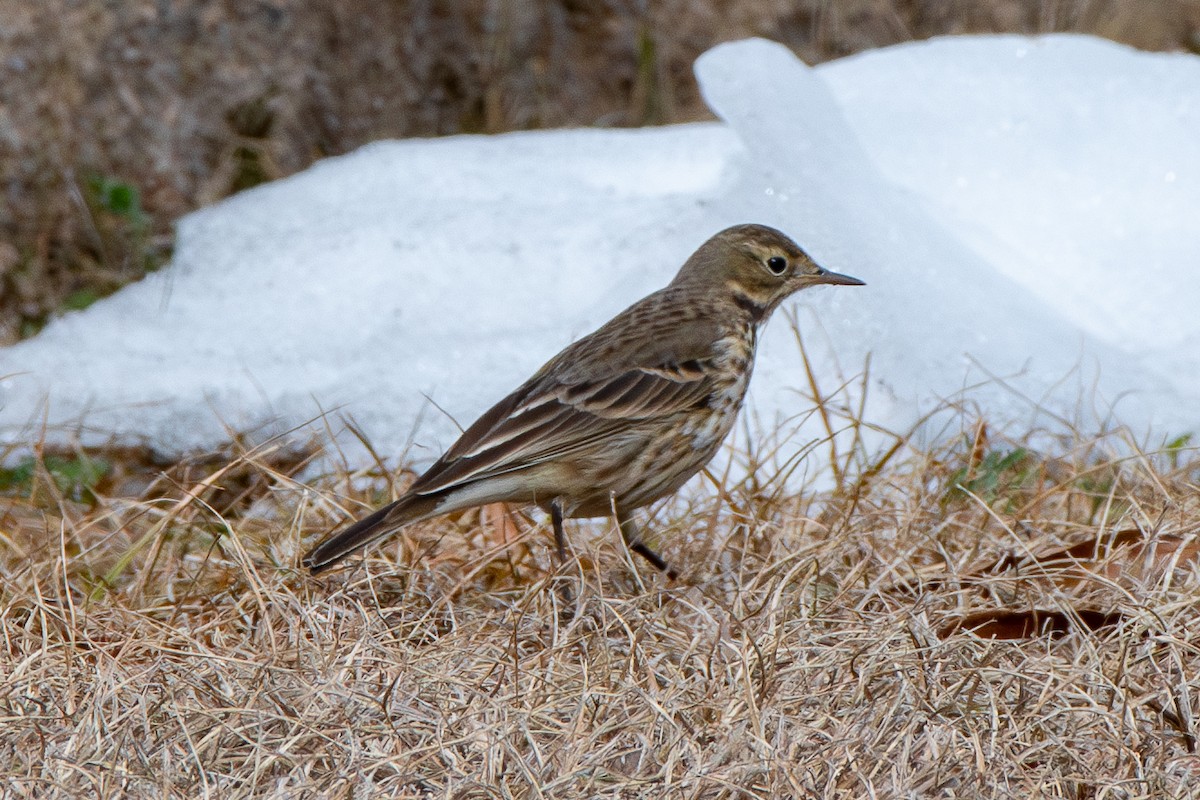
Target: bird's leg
[(633, 540), (560, 546), (560, 539)]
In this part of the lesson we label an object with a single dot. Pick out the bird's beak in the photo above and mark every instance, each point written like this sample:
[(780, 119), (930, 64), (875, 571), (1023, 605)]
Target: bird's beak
[(836, 278)]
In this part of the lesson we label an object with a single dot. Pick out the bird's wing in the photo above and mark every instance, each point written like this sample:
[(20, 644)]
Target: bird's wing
[(593, 390)]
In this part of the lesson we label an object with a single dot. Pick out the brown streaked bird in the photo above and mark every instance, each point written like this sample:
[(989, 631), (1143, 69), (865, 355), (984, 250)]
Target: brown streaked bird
[(625, 415)]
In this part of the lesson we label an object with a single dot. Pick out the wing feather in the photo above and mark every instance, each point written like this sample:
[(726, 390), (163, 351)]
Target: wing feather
[(641, 368)]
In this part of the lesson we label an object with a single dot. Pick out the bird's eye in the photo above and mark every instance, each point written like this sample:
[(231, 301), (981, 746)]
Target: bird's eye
[(777, 265)]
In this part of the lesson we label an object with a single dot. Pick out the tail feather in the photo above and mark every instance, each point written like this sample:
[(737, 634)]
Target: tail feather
[(339, 544)]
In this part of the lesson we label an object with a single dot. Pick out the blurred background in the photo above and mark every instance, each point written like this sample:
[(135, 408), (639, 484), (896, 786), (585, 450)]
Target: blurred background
[(118, 116)]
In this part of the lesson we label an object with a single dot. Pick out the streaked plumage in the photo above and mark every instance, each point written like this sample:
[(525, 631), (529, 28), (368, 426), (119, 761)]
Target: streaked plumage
[(623, 416)]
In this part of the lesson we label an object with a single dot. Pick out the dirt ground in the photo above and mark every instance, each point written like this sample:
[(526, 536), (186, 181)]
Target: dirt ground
[(117, 118)]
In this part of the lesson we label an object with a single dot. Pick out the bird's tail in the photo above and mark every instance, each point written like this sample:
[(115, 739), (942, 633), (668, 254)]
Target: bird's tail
[(339, 544)]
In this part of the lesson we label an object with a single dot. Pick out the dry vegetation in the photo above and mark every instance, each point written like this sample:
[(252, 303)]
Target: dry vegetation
[(991, 619), (118, 117), (817, 644)]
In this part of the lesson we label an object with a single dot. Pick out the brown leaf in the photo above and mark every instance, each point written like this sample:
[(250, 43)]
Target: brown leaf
[(1007, 624), (498, 524), (1123, 556), (1128, 555)]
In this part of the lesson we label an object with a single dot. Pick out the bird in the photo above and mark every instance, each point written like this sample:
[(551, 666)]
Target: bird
[(623, 416)]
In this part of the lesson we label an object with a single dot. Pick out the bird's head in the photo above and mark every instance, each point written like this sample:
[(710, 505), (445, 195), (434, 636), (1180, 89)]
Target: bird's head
[(758, 266)]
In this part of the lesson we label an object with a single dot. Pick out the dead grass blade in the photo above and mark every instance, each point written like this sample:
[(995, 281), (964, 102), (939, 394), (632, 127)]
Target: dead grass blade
[(1050, 642)]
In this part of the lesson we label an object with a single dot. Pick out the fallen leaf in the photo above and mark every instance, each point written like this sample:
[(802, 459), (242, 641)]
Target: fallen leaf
[(1006, 624)]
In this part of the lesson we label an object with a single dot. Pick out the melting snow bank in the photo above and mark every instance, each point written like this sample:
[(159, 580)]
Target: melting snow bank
[(1026, 213)]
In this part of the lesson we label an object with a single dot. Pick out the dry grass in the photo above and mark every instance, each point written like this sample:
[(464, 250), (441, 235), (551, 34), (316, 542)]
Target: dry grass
[(165, 644)]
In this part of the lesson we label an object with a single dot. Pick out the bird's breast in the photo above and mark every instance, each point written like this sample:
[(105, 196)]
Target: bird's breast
[(732, 368)]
